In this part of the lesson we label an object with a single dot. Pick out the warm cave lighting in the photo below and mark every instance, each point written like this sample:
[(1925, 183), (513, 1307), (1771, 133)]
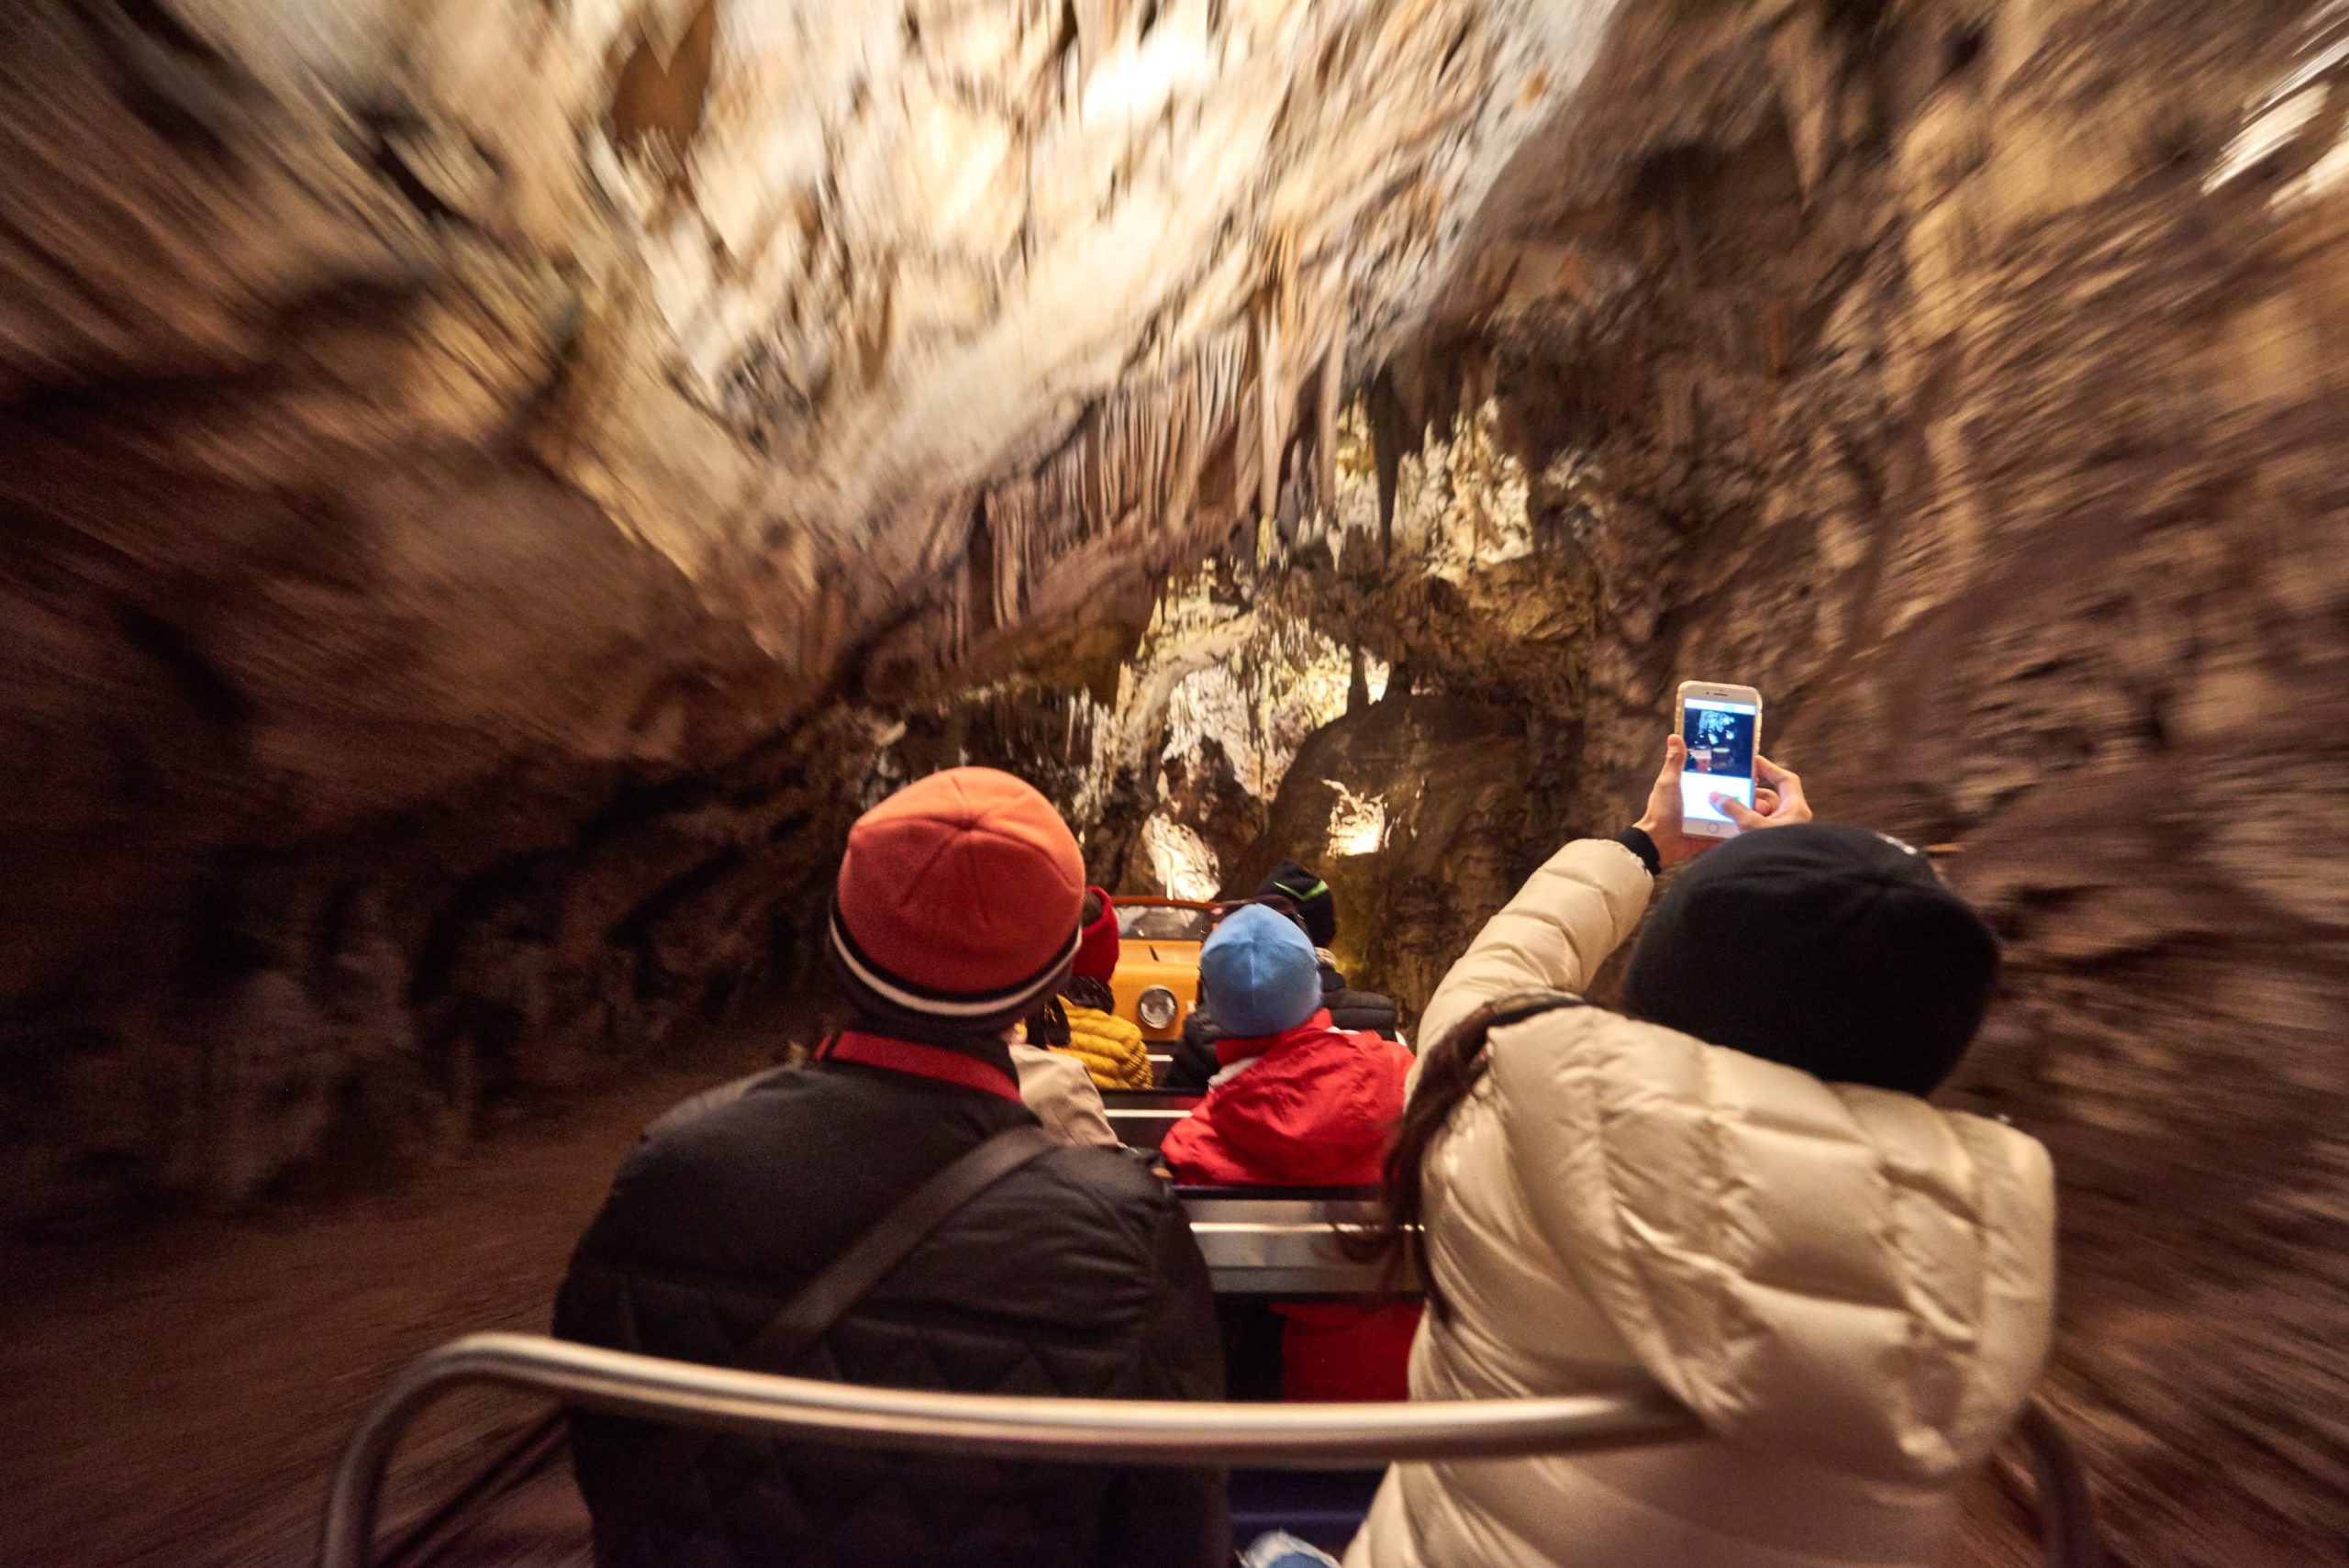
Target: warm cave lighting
[(2277, 119), (513, 512), (1357, 822), (1137, 83), (1180, 860)]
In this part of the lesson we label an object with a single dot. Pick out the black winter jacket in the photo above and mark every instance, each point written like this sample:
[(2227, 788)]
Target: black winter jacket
[(1076, 1274), (1193, 1055)]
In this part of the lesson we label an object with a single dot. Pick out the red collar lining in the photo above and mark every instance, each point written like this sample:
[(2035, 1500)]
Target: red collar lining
[(932, 1061), (1230, 1050)]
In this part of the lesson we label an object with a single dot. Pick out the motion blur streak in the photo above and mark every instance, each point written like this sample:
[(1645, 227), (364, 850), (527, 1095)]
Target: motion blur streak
[(493, 487)]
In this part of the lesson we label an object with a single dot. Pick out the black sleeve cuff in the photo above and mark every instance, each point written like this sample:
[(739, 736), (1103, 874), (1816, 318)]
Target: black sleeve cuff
[(1637, 840)]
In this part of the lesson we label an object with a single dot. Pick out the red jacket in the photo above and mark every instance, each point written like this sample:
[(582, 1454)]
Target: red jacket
[(1317, 1110)]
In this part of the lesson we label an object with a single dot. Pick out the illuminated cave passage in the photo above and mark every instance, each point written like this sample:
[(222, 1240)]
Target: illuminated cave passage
[(493, 487)]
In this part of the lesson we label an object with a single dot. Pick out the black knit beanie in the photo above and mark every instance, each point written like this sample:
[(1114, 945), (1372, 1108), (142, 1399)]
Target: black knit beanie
[(1315, 906), (1827, 947)]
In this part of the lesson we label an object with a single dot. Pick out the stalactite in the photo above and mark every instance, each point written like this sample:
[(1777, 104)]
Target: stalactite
[(1157, 439), (1226, 382), (1268, 400), (1388, 438), (1139, 439), (1184, 460), (1009, 523), (1325, 445)]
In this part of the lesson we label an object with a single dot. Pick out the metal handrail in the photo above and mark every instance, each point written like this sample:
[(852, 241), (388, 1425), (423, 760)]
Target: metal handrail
[(1122, 1432), (1119, 1431)]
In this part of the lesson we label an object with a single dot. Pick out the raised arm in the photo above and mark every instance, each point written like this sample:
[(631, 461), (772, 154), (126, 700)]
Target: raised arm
[(1554, 934), (1578, 908)]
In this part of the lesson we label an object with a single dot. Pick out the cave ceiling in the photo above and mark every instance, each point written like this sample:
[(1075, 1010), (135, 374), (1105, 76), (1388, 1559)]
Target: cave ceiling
[(776, 288), (450, 410)]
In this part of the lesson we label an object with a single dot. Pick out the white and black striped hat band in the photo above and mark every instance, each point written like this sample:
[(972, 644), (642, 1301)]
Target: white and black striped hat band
[(1011, 1000)]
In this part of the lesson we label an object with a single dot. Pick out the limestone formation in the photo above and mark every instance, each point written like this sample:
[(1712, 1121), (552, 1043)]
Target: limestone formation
[(1967, 377), (1412, 809), (491, 486), (475, 443)]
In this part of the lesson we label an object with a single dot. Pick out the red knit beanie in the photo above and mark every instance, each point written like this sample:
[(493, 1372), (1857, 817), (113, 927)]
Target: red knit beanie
[(1096, 945), (958, 901)]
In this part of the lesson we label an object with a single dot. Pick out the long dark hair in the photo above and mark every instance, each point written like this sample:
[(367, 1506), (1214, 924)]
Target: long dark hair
[(1088, 992), (1450, 1071), (1048, 1026)]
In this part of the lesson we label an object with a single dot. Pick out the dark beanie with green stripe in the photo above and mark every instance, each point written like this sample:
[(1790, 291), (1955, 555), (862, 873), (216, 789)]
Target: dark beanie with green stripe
[(1310, 896)]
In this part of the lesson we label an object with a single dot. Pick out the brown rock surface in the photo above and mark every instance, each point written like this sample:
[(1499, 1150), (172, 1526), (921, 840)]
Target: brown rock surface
[(490, 487), (456, 452), (1966, 376), (1412, 810)]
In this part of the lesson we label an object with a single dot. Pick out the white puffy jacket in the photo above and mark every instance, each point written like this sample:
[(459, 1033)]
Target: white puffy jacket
[(1852, 1289)]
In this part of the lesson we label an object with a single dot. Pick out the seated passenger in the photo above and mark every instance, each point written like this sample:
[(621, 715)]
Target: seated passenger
[(1073, 1273), (1110, 1047), (1299, 1102), (1316, 909), (1054, 1085), (1742, 1194)]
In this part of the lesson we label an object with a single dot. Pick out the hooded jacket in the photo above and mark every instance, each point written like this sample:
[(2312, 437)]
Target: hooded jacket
[(1852, 1289), (1312, 1107), (1193, 1053)]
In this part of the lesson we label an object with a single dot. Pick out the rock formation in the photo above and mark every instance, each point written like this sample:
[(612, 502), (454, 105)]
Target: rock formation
[(1412, 809), (1966, 377), (490, 487), (465, 450)]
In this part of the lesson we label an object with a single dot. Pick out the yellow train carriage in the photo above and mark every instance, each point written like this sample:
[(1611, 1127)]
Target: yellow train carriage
[(1157, 983)]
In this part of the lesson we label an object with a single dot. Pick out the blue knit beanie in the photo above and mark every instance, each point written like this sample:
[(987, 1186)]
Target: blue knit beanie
[(1260, 974)]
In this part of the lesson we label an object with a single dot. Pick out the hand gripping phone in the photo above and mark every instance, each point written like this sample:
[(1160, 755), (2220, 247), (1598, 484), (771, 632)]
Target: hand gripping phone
[(1722, 726)]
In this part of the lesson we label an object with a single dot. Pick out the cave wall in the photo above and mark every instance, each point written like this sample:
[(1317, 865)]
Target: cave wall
[(480, 475), (489, 486), (1412, 808), (1969, 377)]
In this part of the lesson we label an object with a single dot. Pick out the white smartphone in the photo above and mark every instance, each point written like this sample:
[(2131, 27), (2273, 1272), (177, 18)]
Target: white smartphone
[(1722, 728)]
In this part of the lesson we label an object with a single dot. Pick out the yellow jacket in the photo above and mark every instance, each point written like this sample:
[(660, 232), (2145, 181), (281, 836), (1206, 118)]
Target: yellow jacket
[(1110, 1047)]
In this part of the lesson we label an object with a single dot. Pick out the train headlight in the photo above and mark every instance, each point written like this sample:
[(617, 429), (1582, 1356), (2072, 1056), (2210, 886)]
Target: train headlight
[(1157, 1007)]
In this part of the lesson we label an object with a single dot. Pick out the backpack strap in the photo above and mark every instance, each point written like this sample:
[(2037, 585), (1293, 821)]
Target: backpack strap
[(808, 1316)]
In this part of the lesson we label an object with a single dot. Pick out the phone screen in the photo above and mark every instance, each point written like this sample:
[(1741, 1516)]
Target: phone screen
[(1720, 734)]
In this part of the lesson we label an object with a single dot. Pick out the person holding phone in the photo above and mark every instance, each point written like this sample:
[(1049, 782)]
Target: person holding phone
[(1721, 735), (1736, 1190)]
